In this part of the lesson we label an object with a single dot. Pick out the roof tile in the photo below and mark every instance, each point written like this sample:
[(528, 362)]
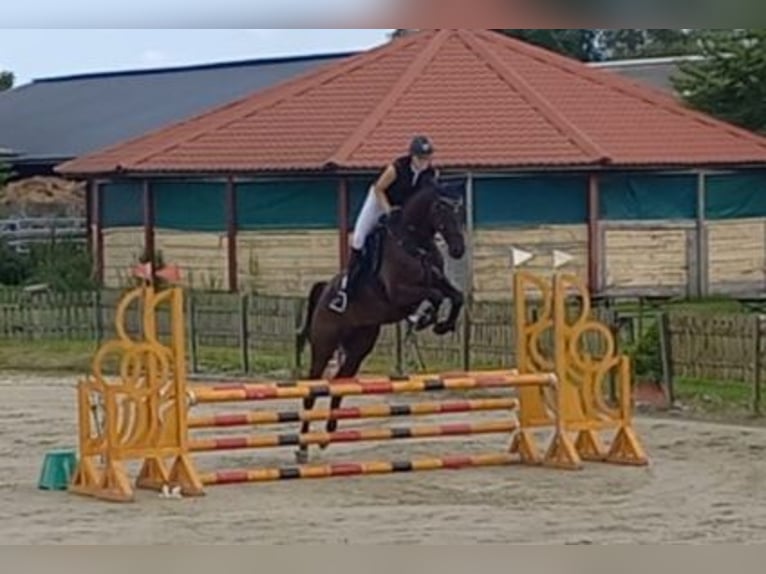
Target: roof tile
[(485, 99)]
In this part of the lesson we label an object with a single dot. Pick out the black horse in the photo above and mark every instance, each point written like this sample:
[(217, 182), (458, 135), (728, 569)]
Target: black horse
[(410, 271)]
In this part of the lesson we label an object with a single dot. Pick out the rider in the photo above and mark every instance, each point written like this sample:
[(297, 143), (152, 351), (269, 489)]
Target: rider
[(399, 181)]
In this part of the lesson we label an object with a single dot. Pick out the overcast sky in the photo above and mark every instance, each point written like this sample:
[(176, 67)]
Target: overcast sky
[(38, 53)]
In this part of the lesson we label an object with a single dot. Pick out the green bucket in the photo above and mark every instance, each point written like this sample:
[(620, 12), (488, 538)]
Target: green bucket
[(58, 468)]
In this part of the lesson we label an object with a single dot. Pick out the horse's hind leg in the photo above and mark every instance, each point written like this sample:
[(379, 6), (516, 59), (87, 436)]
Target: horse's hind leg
[(356, 347), (321, 353)]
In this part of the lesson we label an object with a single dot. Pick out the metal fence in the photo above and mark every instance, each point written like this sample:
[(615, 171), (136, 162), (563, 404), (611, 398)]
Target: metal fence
[(21, 232)]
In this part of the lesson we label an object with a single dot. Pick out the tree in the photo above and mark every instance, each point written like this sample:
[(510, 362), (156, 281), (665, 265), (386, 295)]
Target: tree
[(581, 44), (6, 80), (648, 42), (729, 81), (597, 44)]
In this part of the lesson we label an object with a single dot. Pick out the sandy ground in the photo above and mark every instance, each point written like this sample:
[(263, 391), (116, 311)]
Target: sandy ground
[(707, 483)]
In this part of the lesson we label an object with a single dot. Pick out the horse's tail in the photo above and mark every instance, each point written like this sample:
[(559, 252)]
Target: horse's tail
[(314, 294)]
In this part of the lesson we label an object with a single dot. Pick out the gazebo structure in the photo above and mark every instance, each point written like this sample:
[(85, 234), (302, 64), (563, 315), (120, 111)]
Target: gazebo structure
[(260, 193)]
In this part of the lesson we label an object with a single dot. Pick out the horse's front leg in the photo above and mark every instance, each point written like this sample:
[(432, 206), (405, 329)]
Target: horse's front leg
[(457, 300), (407, 296)]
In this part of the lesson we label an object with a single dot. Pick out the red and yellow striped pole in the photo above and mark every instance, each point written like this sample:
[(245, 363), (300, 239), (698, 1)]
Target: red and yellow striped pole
[(356, 468), (352, 435), (235, 393), (349, 413)]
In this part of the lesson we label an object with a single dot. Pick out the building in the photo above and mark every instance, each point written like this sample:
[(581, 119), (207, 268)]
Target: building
[(56, 119), (260, 192)]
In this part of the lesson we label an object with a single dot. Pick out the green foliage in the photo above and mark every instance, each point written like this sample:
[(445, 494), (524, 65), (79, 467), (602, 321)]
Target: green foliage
[(13, 266), (627, 43), (580, 44), (6, 80), (596, 44), (730, 81), (646, 354), (63, 266)]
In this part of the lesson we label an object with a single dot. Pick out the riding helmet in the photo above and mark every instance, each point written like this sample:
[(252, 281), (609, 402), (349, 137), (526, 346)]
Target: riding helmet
[(421, 146)]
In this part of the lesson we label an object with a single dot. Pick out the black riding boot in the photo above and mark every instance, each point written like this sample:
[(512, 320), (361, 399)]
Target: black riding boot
[(348, 283)]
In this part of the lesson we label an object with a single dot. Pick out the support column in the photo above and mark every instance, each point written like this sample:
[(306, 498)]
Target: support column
[(89, 235), (231, 234), (148, 204), (594, 237), (702, 287), (98, 216)]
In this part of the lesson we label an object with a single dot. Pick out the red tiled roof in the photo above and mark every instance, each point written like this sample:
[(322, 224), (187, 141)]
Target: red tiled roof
[(488, 101)]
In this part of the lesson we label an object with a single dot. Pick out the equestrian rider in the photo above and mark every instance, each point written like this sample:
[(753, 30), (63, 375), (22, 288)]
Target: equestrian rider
[(398, 183)]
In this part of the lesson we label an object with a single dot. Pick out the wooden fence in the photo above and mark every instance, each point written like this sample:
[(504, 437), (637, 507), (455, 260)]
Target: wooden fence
[(256, 334)]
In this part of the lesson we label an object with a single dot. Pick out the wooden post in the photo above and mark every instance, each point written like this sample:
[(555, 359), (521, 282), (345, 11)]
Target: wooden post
[(343, 221), (191, 314), (89, 199), (298, 311), (148, 203), (666, 357), (231, 234), (758, 337), (594, 247), (244, 332)]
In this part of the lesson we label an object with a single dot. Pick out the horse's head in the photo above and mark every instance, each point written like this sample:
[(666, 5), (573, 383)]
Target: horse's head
[(434, 210)]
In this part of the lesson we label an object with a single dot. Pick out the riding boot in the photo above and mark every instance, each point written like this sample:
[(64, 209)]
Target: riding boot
[(348, 282)]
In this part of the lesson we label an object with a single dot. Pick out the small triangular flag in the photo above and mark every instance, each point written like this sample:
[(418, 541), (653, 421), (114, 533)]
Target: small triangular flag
[(561, 258), (519, 257)]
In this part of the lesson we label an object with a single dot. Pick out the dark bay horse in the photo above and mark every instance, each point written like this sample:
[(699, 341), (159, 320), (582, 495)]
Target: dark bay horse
[(411, 271)]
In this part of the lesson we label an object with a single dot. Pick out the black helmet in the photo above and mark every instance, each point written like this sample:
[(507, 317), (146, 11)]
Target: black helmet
[(421, 145)]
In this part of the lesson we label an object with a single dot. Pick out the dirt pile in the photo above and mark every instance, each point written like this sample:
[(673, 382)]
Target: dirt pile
[(43, 196)]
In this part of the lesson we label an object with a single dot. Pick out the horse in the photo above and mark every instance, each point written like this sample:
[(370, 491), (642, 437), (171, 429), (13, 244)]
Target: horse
[(409, 271)]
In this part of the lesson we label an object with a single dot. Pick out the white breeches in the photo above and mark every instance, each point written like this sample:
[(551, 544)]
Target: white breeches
[(368, 218)]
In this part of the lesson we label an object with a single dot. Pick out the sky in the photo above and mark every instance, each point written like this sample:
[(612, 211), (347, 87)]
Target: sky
[(40, 53)]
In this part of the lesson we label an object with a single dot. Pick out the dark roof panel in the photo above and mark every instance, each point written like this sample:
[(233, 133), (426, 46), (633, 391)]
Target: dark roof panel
[(65, 117)]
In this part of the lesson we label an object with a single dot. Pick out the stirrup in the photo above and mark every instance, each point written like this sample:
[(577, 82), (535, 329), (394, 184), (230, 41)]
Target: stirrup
[(339, 302)]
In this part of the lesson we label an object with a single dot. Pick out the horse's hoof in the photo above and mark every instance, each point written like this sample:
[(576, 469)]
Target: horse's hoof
[(301, 456)]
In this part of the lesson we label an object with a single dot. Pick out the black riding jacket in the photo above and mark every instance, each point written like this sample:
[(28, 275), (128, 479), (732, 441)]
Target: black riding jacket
[(407, 183)]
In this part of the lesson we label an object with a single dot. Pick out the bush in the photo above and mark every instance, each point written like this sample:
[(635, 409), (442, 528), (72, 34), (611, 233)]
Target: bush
[(14, 267), (63, 266), (646, 355)]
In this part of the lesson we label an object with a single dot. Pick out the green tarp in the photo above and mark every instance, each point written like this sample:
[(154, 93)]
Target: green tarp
[(122, 204), (731, 196), (304, 204), (515, 201), (189, 205), (626, 196)]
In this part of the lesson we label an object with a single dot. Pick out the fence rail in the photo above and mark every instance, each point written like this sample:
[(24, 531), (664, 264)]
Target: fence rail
[(256, 334), (20, 233)]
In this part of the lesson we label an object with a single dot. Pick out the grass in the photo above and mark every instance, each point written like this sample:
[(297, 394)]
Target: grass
[(717, 399), (46, 355), (76, 356)]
